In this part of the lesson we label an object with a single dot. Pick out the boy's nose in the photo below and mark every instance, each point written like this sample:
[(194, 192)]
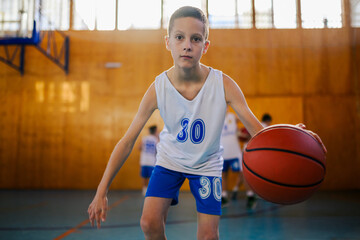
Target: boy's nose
[(187, 46)]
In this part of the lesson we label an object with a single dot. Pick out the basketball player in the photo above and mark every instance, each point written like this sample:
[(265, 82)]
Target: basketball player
[(192, 99), (148, 156), (231, 155)]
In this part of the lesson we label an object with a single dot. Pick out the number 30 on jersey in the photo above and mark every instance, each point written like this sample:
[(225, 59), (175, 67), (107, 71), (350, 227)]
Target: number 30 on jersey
[(196, 131)]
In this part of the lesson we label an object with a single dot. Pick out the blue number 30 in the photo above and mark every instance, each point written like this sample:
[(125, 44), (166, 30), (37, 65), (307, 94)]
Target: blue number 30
[(197, 131)]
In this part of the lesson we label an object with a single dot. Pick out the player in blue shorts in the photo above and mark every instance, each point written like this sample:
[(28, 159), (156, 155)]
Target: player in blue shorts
[(148, 156), (192, 100)]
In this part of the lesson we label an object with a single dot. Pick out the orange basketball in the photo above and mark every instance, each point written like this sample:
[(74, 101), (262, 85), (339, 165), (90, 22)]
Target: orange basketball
[(284, 164)]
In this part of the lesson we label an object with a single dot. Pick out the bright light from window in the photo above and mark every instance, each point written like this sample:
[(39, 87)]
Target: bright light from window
[(146, 14), (105, 14), (355, 13), (244, 10), (84, 14), (321, 13), (222, 13), (131, 15), (263, 15), (170, 6), (54, 14), (284, 13)]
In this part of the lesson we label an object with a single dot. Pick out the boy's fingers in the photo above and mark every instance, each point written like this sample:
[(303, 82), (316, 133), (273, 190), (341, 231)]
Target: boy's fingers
[(98, 219), (301, 125), (103, 214), (91, 216), (92, 222)]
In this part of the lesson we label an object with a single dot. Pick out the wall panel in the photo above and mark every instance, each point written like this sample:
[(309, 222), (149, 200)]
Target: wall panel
[(58, 131)]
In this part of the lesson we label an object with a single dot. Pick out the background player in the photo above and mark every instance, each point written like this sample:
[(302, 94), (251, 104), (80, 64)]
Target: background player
[(148, 156), (244, 137), (232, 156)]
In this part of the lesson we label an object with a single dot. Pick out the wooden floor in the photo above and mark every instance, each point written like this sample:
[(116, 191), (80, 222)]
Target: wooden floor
[(62, 215)]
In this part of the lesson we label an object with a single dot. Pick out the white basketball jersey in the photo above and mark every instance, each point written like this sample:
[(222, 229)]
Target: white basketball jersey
[(148, 150), (190, 140), (229, 138)]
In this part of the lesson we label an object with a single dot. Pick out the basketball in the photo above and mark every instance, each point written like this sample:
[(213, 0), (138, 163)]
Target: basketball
[(284, 164)]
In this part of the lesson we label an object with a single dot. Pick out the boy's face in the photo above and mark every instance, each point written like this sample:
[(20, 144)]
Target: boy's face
[(187, 42)]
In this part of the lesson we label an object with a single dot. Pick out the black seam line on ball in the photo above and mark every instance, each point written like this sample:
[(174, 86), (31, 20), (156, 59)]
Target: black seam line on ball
[(287, 151), (282, 184)]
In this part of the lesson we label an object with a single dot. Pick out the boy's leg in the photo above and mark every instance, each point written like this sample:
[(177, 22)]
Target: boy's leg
[(208, 226), (163, 191), (207, 193), (154, 216)]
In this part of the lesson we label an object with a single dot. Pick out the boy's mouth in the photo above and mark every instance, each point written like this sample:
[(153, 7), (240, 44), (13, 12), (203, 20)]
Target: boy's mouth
[(186, 56)]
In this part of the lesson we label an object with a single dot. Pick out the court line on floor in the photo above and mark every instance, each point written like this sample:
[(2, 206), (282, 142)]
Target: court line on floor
[(83, 223)]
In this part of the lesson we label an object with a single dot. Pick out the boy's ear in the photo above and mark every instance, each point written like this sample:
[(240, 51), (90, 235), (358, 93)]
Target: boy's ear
[(167, 42), (207, 45)]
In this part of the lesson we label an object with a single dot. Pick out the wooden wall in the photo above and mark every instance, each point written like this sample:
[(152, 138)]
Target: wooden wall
[(57, 131)]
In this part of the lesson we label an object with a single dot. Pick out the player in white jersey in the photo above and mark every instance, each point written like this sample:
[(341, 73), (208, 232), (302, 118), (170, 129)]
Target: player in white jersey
[(148, 156), (189, 146), (232, 156)]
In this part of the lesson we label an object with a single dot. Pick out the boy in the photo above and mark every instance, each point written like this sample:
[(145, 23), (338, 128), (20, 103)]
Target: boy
[(148, 156), (192, 101)]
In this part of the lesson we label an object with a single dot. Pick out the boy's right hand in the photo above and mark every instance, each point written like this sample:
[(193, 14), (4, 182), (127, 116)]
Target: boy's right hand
[(302, 126), (97, 210)]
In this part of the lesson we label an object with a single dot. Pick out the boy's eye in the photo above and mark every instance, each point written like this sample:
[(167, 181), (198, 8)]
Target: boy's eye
[(197, 39), (179, 37)]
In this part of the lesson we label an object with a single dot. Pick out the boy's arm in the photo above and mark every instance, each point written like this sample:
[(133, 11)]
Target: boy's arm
[(98, 208), (235, 98)]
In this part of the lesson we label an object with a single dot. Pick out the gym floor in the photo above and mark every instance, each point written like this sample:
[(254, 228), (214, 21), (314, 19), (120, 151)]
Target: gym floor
[(62, 215)]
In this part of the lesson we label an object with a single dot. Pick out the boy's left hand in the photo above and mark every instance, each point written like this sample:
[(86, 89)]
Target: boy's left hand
[(302, 126)]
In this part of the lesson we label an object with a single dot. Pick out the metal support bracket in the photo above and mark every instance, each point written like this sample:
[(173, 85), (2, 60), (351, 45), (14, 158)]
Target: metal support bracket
[(49, 47), (11, 56)]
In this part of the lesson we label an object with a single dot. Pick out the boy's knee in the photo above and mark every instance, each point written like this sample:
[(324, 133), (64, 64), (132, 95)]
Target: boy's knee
[(208, 234), (151, 226), (145, 224)]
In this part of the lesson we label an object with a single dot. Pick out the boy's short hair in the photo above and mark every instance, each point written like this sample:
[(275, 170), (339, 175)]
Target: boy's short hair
[(152, 129), (266, 117), (189, 11)]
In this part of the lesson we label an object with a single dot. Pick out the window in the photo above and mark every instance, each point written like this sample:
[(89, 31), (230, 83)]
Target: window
[(16, 18), (355, 13), (130, 15), (105, 14), (94, 14), (84, 14), (230, 13), (54, 14), (284, 13), (263, 13), (321, 13), (222, 13), (244, 13)]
